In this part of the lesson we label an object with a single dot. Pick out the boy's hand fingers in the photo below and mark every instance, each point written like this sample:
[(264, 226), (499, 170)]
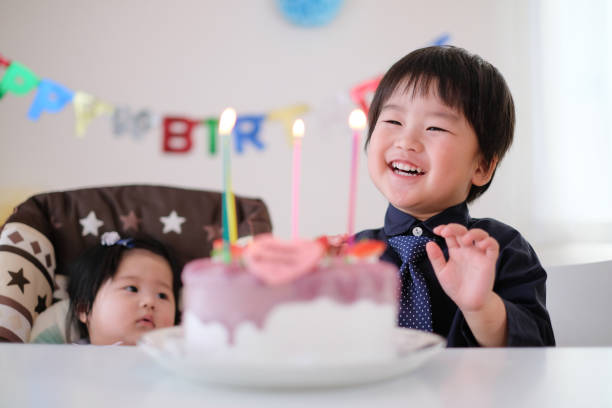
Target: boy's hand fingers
[(473, 237), (451, 232), (436, 257), (450, 229), (490, 246)]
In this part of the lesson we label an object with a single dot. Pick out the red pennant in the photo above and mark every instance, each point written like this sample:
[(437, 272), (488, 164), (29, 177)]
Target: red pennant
[(359, 92), (4, 61), (177, 134)]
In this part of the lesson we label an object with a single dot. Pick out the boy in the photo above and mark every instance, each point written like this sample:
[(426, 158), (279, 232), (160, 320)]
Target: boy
[(440, 122)]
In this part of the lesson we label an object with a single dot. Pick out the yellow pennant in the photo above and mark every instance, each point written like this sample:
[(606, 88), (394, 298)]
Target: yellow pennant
[(87, 108), (287, 116)]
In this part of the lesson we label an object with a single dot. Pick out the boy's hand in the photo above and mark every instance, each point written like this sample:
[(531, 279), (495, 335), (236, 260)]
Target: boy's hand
[(468, 275)]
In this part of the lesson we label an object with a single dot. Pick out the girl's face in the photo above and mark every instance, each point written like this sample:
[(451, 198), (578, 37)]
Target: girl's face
[(137, 299), (423, 155)]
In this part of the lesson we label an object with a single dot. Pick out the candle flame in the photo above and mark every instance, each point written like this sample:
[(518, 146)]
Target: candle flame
[(227, 121), (357, 119), (298, 128)]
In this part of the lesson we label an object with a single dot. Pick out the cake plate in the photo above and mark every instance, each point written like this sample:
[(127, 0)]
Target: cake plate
[(167, 347)]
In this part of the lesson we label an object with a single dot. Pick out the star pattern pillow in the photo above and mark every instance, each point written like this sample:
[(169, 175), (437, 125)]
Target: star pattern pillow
[(48, 231)]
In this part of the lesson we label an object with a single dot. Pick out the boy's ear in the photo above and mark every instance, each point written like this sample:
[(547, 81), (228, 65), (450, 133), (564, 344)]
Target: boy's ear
[(484, 171)]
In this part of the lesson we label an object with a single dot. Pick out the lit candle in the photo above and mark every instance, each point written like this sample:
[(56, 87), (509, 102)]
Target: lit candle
[(226, 124), (298, 134), (357, 122)]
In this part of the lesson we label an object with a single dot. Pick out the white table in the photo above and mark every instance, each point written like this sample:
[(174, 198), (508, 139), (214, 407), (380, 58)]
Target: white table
[(85, 376)]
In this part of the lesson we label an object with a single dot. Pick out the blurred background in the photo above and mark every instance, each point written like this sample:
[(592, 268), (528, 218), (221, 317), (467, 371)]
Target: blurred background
[(193, 58)]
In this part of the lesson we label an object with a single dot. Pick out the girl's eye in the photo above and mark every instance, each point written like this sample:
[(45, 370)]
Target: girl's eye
[(131, 288), (163, 296), (436, 129), (392, 122)]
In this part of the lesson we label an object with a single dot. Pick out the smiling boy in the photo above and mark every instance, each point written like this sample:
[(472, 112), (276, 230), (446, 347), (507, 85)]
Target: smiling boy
[(440, 122)]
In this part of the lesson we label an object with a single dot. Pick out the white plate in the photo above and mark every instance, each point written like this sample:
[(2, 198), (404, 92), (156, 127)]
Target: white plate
[(166, 346)]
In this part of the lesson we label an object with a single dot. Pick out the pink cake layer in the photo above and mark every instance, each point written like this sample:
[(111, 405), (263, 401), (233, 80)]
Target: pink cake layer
[(230, 295)]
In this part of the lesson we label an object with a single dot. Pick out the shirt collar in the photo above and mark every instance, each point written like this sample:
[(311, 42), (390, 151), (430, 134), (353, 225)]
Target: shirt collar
[(398, 222)]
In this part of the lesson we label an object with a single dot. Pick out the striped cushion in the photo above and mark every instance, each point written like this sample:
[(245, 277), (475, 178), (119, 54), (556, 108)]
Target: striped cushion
[(27, 261)]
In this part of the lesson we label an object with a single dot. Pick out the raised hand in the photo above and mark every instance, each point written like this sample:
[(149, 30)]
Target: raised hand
[(468, 275)]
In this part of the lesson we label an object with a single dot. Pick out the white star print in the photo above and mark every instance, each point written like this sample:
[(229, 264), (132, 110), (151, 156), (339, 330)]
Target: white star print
[(91, 224), (172, 222)]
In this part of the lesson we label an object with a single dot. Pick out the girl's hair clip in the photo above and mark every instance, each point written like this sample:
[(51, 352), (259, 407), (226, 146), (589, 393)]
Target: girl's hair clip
[(113, 238)]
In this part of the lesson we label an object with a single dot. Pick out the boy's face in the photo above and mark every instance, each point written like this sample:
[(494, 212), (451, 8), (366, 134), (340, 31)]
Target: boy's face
[(137, 299), (423, 155)]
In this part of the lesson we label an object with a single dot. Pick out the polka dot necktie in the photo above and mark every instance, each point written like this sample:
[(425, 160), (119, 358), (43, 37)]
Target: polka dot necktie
[(415, 305)]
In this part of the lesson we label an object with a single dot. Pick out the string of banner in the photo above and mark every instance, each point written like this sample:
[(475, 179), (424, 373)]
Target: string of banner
[(52, 97)]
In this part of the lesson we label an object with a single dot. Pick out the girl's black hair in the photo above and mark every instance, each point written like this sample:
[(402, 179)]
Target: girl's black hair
[(466, 83), (99, 263)]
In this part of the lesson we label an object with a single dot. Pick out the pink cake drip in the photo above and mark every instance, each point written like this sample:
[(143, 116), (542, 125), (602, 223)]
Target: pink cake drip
[(229, 295)]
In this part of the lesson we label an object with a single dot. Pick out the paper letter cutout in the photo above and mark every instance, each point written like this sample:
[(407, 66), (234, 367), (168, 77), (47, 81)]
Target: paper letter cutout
[(86, 109), (51, 97), (137, 125), (212, 124), (177, 131), (17, 79), (287, 116), (142, 122), (247, 128), (360, 92)]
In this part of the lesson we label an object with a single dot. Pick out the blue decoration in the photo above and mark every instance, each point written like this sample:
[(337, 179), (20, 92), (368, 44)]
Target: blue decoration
[(50, 97), (247, 128), (310, 13), (443, 39)]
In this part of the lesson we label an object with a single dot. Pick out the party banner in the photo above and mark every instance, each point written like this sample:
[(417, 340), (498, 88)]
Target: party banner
[(177, 130)]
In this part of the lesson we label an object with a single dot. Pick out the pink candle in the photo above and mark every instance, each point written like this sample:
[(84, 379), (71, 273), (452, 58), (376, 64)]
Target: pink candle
[(298, 133), (357, 122)]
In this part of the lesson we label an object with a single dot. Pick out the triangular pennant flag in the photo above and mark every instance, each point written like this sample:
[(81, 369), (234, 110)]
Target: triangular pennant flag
[(17, 79), (287, 115), (136, 124), (361, 92), (87, 108), (51, 97)]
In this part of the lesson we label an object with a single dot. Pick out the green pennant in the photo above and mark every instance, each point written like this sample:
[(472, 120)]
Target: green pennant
[(18, 79)]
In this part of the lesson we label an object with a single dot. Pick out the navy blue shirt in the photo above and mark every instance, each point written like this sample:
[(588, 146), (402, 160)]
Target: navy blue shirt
[(519, 278)]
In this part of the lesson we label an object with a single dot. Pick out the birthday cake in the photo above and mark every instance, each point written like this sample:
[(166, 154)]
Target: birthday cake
[(296, 302)]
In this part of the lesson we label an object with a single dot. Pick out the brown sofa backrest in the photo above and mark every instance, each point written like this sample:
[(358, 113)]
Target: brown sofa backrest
[(48, 231)]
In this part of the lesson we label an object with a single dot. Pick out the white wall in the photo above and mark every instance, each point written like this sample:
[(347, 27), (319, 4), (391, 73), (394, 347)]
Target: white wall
[(196, 57)]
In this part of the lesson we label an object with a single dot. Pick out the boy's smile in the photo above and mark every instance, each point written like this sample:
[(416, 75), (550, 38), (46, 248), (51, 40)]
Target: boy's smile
[(424, 155), (406, 169)]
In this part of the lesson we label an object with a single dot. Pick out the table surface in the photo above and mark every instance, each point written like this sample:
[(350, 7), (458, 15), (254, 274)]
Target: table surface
[(88, 376)]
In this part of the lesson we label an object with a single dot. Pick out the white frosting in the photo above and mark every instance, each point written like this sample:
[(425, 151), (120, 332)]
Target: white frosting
[(320, 331)]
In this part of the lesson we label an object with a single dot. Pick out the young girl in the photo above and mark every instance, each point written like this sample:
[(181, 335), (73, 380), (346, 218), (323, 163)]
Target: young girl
[(122, 288)]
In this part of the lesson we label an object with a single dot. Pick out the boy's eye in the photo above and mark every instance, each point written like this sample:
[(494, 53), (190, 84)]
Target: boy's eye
[(436, 129), (131, 288), (163, 296)]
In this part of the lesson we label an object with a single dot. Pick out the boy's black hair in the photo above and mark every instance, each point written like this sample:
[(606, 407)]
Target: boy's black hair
[(99, 263), (466, 83)]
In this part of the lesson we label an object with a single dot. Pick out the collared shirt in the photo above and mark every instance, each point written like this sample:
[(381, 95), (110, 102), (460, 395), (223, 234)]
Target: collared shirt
[(519, 279)]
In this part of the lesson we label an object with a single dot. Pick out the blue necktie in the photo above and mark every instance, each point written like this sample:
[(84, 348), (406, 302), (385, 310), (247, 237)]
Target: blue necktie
[(415, 305)]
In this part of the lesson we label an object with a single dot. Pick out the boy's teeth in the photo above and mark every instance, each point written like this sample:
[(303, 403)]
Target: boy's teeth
[(406, 167)]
